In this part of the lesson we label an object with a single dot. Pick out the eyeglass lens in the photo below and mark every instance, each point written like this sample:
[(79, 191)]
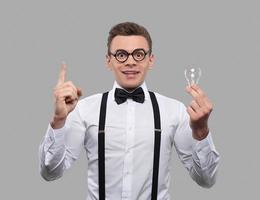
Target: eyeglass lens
[(138, 55)]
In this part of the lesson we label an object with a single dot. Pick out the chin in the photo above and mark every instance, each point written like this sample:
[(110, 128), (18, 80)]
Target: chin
[(131, 86)]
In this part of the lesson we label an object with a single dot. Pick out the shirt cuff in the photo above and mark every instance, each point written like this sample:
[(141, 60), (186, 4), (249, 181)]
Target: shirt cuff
[(202, 149), (54, 136)]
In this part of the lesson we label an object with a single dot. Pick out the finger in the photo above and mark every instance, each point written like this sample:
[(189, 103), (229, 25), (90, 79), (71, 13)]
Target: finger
[(68, 100), (208, 103), (200, 98), (79, 92), (67, 97), (62, 74), (195, 106), (192, 92), (197, 89), (66, 93), (65, 87), (191, 112), (194, 87), (208, 106), (69, 84)]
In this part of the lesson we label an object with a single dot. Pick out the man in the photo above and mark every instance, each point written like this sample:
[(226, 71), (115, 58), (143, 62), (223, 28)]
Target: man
[(129, 158)]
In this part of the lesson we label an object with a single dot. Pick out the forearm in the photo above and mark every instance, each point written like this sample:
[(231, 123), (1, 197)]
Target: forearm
[(57, 123), (205, 161), (52, 154), (61, 147)]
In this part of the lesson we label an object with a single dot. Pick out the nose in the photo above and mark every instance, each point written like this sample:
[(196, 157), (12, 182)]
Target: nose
[(130, 61)]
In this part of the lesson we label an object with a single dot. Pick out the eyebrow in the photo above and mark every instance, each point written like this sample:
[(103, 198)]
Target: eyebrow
[(132, 51)]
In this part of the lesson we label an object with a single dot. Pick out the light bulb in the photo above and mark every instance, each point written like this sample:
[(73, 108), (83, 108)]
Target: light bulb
[(192, 74)]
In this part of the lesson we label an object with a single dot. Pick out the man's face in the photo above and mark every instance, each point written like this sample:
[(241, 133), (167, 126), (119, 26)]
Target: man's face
[(131, 73)]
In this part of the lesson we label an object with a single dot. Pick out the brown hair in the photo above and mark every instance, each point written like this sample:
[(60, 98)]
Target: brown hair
[(128, 28)]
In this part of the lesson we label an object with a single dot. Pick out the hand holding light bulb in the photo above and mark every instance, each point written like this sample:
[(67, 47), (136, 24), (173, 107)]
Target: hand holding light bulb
[(200, 107)]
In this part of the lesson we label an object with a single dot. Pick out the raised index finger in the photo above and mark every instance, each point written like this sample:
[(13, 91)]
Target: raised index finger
[(62, 74)]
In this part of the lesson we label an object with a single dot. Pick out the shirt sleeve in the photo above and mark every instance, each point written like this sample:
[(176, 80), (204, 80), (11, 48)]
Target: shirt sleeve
[(61, 147), (200, 158)]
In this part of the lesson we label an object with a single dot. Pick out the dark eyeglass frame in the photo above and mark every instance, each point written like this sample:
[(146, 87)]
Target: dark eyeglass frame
[(127, 54)]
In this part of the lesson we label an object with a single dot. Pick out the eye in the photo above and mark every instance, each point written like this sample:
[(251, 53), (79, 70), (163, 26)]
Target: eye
[(139, 54), (121, 55)]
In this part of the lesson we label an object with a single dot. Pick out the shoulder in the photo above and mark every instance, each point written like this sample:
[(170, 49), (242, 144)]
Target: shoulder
[(90, 99), (172, 109), (164, 100), (90, 103), (89, 106)]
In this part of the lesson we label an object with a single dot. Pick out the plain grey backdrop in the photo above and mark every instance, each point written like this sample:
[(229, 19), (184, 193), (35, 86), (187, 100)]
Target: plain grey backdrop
[(222, 37)]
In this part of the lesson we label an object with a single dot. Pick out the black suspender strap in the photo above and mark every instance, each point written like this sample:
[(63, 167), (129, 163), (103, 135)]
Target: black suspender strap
[(101, 147), (157, 144)]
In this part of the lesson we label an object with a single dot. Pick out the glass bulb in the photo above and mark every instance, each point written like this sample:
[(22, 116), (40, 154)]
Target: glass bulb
[(192, 74)]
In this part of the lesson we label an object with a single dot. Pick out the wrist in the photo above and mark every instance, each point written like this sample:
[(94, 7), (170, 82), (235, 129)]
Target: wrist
[(200, 134), (57, 122)]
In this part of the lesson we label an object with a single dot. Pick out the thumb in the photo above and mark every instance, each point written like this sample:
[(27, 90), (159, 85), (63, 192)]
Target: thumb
[(188, 89)]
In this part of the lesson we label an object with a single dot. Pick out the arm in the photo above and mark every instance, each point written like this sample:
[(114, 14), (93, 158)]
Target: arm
[(61, 147), (198, 156), (65, 135)]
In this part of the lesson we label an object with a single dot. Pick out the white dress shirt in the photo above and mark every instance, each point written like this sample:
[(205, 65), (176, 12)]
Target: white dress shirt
[(129, 146)]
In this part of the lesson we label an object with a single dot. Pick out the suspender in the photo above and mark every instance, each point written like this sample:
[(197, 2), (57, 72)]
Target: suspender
[(101, 146), (157, 144)]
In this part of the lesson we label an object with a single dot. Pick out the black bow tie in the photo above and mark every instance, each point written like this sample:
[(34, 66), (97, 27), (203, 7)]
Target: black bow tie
[(121, 95)]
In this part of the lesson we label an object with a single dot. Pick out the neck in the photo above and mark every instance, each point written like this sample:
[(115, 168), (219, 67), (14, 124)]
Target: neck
[(130, 89)]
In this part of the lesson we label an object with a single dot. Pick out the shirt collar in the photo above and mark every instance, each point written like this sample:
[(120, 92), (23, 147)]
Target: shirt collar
[(143, 86)]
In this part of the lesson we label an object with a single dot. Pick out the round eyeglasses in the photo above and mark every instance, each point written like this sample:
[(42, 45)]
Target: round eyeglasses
[(122, 55)]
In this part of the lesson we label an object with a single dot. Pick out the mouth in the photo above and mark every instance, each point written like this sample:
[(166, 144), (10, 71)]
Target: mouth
[(130, 74)]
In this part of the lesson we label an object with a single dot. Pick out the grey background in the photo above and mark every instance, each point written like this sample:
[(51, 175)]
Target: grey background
[(222, 37)]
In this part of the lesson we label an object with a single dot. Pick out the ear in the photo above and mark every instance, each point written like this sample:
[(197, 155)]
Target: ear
[(108, 62), (151, 61)]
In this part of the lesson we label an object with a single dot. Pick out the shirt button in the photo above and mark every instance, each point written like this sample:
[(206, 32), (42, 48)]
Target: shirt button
[(127, 172)]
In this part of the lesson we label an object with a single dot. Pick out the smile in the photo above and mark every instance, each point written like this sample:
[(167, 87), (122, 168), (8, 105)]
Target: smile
[(130, 72)]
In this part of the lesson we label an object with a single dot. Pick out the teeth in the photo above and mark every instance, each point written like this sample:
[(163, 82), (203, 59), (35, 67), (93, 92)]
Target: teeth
[(130, 72)]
